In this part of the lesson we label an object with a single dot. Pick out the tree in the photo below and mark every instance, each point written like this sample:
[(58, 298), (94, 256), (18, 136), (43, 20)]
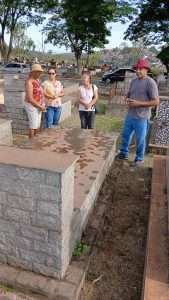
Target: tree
[(82, 25), (11, 12), (152, 23), (164, 57), (21, 42)]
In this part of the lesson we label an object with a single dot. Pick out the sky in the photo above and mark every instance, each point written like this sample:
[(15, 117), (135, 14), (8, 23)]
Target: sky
[(115, 40)]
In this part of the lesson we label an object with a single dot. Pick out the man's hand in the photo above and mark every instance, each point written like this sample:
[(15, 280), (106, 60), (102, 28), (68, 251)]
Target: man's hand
[(134, 103)]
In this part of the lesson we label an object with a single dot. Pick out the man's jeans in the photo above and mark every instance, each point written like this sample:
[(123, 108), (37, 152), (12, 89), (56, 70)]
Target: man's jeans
[(140, 128), (52, 116)]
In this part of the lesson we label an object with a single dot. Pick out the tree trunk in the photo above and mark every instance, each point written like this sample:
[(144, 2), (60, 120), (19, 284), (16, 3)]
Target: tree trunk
[(167, 67), (3, 47), (87, 59), (10, 44), (77, 57)]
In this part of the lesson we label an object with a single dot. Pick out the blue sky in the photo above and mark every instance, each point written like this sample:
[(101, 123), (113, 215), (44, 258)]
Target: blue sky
[(115, 40)]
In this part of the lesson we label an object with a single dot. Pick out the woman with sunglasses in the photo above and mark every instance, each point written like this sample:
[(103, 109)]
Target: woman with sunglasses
[(53, 92)]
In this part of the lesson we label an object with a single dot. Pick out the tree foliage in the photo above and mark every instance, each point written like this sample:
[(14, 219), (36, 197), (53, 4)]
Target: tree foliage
[(82, 25), (164, 57), (21, 42), (152, 23), (11, 12)]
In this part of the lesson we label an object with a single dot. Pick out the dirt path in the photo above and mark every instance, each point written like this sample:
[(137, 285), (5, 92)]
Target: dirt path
[(119, 224)]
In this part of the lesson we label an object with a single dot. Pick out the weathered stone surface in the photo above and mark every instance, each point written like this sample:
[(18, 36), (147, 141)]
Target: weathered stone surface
[(47, 271), (19, 263), (48, 208), (50, 288), (49, 249), (34, 233), (3, 197), (32, 256), (36, 283), (160, 128), (9, 227), (17, 215), (17, 202), (36, 207), (45, 221), (3, 258), (6, 132)]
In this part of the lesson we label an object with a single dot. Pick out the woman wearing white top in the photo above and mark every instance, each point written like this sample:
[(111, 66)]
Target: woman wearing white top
[(88, 98)]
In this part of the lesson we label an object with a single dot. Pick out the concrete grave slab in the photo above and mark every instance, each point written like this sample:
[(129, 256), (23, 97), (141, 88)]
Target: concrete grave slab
[(96, 154), (5, 132)]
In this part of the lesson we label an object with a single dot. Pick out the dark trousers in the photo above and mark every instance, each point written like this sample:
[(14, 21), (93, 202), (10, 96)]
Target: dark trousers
[(87, 119)]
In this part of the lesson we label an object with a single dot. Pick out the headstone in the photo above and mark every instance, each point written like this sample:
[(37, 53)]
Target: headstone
[(160, 129)]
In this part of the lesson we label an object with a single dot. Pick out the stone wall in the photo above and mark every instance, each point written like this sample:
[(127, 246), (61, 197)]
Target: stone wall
[(160, 128), (167, 183), (36, 207), (5, 132), (13, 108)]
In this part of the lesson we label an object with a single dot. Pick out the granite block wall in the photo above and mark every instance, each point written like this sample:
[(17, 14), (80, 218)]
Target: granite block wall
[(36, 208), (160, 129), (5, 132)]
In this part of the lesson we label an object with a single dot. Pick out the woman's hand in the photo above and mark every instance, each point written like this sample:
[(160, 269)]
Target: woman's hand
[(87, 106), (42, 108)]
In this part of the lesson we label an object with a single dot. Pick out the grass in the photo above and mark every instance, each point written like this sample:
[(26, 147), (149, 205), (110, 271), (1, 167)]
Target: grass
[(104, 122), (107, 123), (6, 289), (80, 249)]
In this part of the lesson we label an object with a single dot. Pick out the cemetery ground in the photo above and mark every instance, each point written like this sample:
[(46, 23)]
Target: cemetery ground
[(117, 234), (113, 246), (115, 238), (114, 242)]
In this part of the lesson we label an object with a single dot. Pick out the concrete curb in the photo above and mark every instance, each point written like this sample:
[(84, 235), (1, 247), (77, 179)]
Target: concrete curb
[(155, 281), (45, 287)]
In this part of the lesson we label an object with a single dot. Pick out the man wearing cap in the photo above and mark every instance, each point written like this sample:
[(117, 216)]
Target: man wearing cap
[(34, 104), (142, 95)]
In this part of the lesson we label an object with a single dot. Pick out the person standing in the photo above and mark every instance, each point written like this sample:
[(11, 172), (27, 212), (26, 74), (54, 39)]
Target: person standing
[(53, 92), (88, 98), (34, 104), (142, 95)]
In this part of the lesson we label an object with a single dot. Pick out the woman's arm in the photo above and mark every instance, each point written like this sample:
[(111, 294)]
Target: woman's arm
[(62, 93), (95, 98)]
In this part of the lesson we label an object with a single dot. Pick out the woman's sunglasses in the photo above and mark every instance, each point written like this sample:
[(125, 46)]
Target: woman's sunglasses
[(51, 73)]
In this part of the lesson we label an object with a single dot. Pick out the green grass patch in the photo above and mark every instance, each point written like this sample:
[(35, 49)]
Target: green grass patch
[(6, 289), (107, 123), (81, 249)]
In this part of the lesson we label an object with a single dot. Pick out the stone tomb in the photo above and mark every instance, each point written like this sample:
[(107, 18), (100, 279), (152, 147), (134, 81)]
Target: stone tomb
[(13, 88), (47, 190), (5, 132), (160, 128)]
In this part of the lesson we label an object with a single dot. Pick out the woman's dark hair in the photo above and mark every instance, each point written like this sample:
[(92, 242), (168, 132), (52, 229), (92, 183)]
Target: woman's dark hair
[(51, 68), (88, 74)]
